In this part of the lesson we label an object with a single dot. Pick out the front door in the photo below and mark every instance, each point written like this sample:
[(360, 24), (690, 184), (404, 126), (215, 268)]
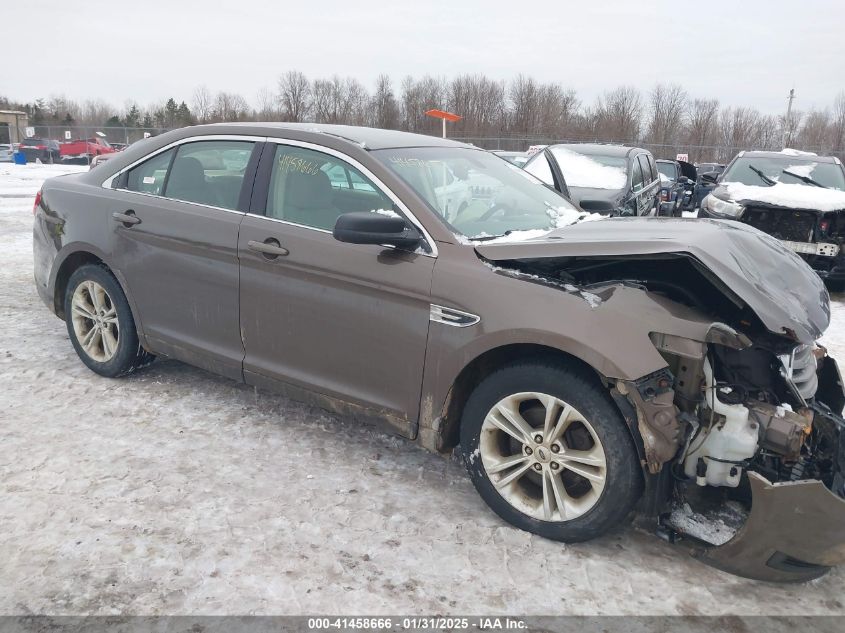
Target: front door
[(174, 239), (327, 318)]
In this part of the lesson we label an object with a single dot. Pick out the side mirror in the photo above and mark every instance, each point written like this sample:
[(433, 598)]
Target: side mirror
[(374, 228), (597, 206), (710, 177)]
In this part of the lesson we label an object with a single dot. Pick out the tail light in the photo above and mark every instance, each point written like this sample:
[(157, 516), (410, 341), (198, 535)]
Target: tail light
[(824, 225), (37, 202), (664, 195), (40, 147)]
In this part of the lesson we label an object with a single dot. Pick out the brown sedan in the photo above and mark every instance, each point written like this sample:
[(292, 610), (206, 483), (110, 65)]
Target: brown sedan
[(584, 371)]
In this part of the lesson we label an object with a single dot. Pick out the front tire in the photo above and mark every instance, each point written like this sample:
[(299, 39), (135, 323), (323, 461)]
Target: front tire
[(100, 324), (548, 451)]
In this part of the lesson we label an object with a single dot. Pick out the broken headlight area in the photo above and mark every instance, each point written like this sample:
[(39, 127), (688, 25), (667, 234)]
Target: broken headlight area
[(755, 483)]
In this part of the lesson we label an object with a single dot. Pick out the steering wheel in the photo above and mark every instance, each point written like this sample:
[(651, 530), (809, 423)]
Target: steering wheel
[(499, 206)]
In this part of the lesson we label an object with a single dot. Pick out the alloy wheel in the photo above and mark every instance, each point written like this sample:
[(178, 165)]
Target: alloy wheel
[(543, 456), (95, 321)]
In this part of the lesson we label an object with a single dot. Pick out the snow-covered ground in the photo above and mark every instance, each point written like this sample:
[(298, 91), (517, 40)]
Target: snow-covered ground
[(175, 491)]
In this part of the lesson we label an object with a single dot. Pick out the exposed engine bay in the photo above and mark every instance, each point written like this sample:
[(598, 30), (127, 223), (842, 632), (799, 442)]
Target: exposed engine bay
[(730, 421)]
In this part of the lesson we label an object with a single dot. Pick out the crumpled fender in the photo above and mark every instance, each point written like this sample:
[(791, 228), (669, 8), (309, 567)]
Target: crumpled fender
[(795, 533)]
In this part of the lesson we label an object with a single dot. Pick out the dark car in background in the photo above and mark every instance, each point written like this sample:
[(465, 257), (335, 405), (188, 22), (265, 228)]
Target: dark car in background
[(677, 179), (606, 179), (797, 197), (705, 182), (44, 149)]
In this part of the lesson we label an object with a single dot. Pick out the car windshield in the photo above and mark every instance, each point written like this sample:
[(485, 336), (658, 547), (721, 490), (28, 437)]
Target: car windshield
[(826, 174), (476, 193), (667, 169), (593, 171)]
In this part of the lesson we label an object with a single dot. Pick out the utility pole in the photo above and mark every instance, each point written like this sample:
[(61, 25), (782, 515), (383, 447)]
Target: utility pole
[(788, 120)]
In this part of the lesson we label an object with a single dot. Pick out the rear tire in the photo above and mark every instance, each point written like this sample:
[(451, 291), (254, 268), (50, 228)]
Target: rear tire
[(100, 324), (548, 451)]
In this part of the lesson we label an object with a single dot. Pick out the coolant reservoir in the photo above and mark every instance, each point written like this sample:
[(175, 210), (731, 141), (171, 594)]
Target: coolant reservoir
[(731, 439)]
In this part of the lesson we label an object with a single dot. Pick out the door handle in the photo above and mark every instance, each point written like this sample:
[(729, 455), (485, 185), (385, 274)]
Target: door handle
[(270, 248), (127, 219)]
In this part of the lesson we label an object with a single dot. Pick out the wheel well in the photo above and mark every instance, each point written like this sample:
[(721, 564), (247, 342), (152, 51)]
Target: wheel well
[(487, 363), (71, 263)]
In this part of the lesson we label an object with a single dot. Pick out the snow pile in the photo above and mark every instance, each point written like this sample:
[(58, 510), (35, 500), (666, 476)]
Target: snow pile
[(560, 217), (583, 171), (717, 529), (664, 179), (803, 169), (788, 151), (791, 196)]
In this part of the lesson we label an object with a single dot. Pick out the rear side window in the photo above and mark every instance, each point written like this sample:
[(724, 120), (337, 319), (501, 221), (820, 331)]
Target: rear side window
[(314, 189), (209, 172), (636, 175), (149, 176), (652, 166), (646, 168)]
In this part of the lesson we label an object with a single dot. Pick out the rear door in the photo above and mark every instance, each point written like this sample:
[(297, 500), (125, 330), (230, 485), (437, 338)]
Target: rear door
[(346, 321), (174, 237)]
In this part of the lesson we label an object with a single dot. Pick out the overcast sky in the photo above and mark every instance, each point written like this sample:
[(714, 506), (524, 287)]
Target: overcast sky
[(744, 52)]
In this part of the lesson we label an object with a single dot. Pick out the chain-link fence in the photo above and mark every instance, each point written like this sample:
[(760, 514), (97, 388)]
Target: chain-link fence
[(116, 134), (695, 153)]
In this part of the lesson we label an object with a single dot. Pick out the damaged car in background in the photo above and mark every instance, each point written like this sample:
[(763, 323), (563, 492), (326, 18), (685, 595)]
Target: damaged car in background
[(797, 197), (584, 370)]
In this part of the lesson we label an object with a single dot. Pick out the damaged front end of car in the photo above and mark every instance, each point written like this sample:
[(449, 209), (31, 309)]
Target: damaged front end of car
[(740, 434)]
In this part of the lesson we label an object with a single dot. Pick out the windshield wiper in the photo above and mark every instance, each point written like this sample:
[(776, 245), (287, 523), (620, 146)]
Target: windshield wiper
[(763, 176), (806, 179), (484, 238)]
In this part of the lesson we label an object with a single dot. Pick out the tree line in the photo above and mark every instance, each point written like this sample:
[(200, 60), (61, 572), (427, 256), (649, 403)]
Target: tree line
[(496, 114)]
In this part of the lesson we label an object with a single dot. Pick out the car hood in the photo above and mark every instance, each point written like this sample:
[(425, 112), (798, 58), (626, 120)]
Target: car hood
[(783, 196), (782, 290)]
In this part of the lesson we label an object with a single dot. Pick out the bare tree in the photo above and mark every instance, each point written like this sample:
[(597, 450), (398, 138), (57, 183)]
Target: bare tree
[(266, 101), (229, 106), (294, 96), (522, 93), (201, 103), (702, 123), (815, 132), (618, 115), (737, 131), (668, 104), (384, 110), (419, 97), (339, 100)]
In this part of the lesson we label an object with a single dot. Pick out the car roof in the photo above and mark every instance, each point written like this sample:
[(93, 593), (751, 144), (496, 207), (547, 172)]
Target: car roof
[(366, 137), (665, 160), (788, 156), (600, 149)]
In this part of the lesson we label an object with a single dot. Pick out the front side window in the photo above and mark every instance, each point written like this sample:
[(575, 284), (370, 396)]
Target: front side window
[(313, 189), (209, 172), (149, 176)]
